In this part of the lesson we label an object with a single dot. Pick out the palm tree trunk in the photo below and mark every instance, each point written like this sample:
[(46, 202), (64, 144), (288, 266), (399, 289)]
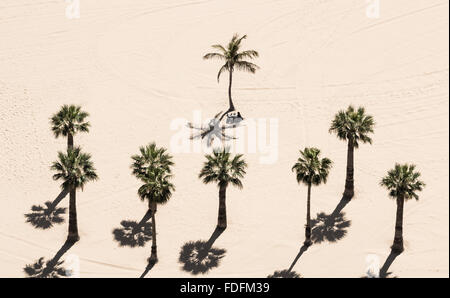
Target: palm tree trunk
[(398, 238), (153, 256), (230, 101), (349, 182), (308, 218), (222, 219), (69, 141), (73, 224), (229, 91)]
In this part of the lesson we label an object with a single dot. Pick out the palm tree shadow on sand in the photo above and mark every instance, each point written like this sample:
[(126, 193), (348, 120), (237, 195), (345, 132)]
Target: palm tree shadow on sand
[(332, 227), (215, 129), (384, 269), (49, 269), (149, 267), (134, 233), (284, 274), (199, 256), (44, 217), (288, 273)]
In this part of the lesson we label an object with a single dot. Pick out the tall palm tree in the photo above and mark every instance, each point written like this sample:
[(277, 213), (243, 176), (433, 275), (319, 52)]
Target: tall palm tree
[(233, 59), (224, 169), (75, 169), (157, 189), (353, 126), (153, 167), (403, 184), (68, 122), (151, 157), (310, 169)]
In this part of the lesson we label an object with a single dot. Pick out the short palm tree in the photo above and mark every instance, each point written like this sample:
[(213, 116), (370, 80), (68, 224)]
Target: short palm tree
[(233, 59), (224, 169), (151, 157), (403, 184), (310, 169), (75, 169), (354, 126), (68, 122), (153, 167)]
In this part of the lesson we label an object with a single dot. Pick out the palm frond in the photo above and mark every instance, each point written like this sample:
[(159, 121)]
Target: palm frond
[(353, 125), (403, 182), (310, 168), (232, 57), (69, 120), (74, 168), (223, 168)]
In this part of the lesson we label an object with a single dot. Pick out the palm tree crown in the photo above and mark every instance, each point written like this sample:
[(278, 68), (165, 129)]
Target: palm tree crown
[(353, 125), (310, 169), (69, 120), (156, 188), (232, 57), (224, 169), (151, 157), (74, 168), (403, 181)]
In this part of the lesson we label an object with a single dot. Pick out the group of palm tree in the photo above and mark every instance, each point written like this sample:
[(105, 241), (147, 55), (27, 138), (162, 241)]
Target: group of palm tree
[(73, 167), (354, 126), (153, 165)]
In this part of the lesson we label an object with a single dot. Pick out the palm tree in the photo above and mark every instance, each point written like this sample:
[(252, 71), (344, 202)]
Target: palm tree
[(151, 157), (353, 126), (75, 169), (223, 169), (403, 184), (156, 189), (153, 167), (311, 170), (233, 60), (68, 122)]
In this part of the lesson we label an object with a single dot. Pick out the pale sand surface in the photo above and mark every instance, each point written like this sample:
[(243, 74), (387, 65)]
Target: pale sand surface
[(136, 66)]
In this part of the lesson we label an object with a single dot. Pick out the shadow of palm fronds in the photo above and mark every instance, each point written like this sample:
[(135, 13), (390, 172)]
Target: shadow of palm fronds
[(44, 217), (329, 227), (49, 269), (285, 274), (200, 257), (45, 269), (132, 233), (215, 129)]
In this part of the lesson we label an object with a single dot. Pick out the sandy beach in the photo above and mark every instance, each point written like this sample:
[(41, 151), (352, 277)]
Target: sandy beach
[(137, 68)]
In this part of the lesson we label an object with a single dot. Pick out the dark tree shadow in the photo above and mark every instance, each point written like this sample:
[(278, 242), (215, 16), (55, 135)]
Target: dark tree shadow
[(342, 203), (215, 129), (44, 217), (199, 256), (134, 233), (49, 269), (329, 228), (384, 269), (332, 227), (288, 273), (149, 267), (300, 253), (284, 274)]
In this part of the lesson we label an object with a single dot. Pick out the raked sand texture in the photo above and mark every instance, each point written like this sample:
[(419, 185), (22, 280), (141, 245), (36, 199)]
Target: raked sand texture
[(135, 66)]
